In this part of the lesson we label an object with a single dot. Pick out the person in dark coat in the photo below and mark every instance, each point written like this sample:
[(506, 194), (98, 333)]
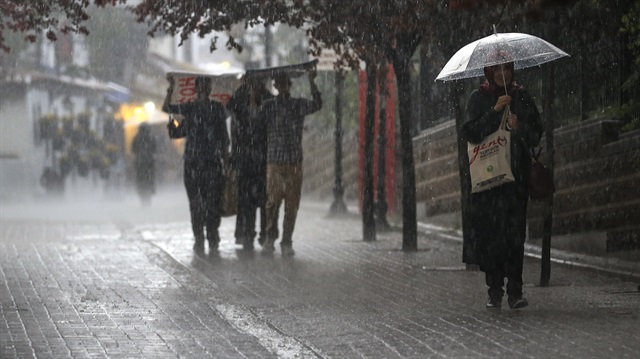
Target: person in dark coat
[(498, 216), (207, 139), (249, 158), (144, 149)]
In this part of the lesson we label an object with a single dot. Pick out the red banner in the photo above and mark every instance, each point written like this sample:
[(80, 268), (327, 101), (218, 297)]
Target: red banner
[(390, 130)]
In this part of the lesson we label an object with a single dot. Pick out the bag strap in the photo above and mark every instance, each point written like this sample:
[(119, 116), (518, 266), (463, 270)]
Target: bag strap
[(535, 155)]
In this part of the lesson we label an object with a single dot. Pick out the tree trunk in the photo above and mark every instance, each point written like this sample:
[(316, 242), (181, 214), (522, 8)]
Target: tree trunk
[(268, 45), (401, 63), (381, 196), (368, 216), (338, 207)]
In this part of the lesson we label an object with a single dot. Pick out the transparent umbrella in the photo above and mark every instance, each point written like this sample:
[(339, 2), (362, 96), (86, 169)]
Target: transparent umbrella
[(523, 50)]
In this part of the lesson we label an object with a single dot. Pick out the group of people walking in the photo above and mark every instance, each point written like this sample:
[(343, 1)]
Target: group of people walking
[(266, 154)]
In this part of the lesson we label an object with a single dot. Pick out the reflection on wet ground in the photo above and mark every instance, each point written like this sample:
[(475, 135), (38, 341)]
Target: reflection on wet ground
[(118, 270)]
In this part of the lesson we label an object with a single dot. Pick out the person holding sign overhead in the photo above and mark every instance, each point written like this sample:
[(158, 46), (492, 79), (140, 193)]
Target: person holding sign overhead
[(206, 149), (284, 116)]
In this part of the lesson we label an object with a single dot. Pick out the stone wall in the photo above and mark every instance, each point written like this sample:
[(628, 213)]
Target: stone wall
[(597, 175), (597, 202), (437, 174)]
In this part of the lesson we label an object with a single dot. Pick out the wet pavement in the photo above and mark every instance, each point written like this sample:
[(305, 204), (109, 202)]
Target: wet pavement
[(116, 280)]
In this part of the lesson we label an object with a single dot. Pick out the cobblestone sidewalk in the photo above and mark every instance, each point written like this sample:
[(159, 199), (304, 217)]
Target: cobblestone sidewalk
[(135, 289)]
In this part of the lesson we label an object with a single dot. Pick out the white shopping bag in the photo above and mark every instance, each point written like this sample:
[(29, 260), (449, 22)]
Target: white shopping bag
[(490, 160)]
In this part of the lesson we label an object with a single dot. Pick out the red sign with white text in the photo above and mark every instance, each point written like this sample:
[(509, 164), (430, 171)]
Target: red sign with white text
[(184, 87)]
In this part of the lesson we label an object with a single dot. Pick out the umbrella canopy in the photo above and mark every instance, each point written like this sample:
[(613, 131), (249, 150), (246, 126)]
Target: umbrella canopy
[(523, 50)]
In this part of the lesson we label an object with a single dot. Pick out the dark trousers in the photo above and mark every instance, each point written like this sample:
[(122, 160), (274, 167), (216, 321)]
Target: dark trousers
[(251, 197), (510, 269), (204, 181)]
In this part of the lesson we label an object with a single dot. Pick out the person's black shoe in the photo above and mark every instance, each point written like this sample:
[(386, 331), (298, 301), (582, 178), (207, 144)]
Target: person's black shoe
[(517, 302), (268, 246), (198, 246), (247, 244), (214, 241), (213, 245), (287, 250), (494, 303)]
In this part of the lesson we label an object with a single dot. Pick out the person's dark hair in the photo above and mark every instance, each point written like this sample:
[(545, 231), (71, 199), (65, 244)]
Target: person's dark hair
[(203, 80), (253, 81), (498, 58), (281, 78), (489, 85), (490, 70)]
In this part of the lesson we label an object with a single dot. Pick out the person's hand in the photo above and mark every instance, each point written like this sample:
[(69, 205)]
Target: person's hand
[(171, 84), (172, 123), (512, 121), (503, 101)]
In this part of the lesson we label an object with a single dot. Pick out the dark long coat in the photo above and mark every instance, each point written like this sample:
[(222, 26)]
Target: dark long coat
[(249, 158), (498, 216), (248, 133)]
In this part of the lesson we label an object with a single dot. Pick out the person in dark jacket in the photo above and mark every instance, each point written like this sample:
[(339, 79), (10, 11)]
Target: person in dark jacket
[(498, 216), (285, 122), (205, 129), (144, 150), (249, 158)]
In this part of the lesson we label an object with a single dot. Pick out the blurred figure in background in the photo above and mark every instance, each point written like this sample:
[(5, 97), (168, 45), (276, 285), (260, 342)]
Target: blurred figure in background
[(144, 149), (249, 158)]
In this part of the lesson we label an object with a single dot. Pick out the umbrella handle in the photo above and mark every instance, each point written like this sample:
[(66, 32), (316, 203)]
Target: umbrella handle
[(495, 32), (505, 116), (504, 81)]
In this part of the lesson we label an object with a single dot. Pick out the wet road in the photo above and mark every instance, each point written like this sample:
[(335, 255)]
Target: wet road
[(117, 280)]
